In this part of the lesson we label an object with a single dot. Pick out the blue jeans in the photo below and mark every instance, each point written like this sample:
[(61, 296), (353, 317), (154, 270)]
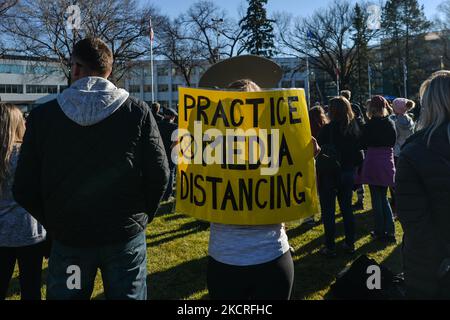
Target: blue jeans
[(123, 267), (382, 212), (342, 189)]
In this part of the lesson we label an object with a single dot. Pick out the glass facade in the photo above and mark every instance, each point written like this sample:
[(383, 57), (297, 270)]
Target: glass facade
[(12, 68), (11, 88), (42, 89)]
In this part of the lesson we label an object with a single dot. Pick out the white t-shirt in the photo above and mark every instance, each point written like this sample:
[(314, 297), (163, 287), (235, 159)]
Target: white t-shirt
[(240, 245)]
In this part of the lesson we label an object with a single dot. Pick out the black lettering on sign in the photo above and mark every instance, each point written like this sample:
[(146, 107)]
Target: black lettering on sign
[(232, 111), (245, 193), (214, 181), (299, 197), (260, 205), (284, 152), (285, 190), (255, 102), (281, 120), (293, 109), (188, 105), (203, 104), (220, 114), (184, 185), (202, 190), (229, 196)]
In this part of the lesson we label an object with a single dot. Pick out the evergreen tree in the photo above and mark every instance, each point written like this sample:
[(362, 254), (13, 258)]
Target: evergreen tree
[(403, 22), (258, 29), (359, 80)]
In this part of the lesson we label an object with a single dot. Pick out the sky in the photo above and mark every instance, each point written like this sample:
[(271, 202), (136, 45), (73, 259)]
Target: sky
[(296, 7)]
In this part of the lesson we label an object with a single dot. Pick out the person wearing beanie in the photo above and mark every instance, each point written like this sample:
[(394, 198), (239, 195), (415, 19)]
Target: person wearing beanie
[(378, 171), (404, 124)]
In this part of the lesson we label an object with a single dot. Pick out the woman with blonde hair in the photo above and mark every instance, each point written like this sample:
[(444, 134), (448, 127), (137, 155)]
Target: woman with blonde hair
[(423, 194), (21, 236)]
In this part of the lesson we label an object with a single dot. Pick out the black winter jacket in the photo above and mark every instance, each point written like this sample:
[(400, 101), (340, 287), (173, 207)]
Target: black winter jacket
[(92, 185), (346, 143), (379, 132), (423, 207)]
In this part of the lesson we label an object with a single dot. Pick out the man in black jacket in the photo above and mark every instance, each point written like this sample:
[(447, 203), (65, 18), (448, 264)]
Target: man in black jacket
[(92, 170)]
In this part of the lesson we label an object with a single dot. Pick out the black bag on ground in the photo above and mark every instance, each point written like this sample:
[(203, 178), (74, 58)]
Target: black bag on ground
[(352, 282)]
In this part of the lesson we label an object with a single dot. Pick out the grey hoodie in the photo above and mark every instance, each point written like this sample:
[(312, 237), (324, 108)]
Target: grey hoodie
[(91, 100), (404, 126)]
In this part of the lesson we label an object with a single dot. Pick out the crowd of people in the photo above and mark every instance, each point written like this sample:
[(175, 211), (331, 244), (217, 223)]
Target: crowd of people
[(82, 178)]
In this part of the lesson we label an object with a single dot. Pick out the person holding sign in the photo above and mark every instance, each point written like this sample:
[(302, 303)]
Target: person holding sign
[(246, 203)]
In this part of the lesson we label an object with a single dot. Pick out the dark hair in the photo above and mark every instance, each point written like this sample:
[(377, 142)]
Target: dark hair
[(317, 119), (94, 54), (341, 112), (378, 107)]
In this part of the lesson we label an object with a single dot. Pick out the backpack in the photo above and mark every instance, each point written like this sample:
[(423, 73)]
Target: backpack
[(352, 282), (329, 159)]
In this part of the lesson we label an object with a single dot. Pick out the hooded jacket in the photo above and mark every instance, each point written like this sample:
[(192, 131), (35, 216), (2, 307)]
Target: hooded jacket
[(404, 127), (423, 207), (92, 167)]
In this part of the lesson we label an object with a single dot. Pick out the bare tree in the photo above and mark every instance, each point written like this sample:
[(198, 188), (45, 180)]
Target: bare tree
[(326, 38), (5, 5), (212, 30), (175, 46), (39, 28), (203, 33)]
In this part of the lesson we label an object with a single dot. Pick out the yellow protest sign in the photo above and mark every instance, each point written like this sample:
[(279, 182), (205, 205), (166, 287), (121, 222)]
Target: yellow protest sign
[(245, 157)]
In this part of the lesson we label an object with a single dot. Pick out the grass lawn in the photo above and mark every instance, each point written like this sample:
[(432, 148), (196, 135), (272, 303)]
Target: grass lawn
[(178, 247)]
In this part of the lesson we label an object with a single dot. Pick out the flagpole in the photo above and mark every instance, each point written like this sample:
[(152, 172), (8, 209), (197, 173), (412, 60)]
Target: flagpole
[(151, 71), (151, 60)]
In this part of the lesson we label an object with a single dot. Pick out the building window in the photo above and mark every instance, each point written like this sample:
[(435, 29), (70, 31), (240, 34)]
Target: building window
[(163, 71), (39, 69), (134, 88), (163, 87), (148, 88), (42, 89), (299, 84), (11, 68), (175, 87), (11, 88), (286, 84)]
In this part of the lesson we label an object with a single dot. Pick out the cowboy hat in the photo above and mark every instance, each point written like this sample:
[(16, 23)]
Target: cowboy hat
[(264, 72)]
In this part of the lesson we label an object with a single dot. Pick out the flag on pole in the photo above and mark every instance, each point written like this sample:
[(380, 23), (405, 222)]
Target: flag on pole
[(152, 35)]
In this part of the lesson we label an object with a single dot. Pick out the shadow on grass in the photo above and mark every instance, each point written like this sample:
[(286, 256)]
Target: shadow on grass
[(183, 280), (184, 230), (314, 272)]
